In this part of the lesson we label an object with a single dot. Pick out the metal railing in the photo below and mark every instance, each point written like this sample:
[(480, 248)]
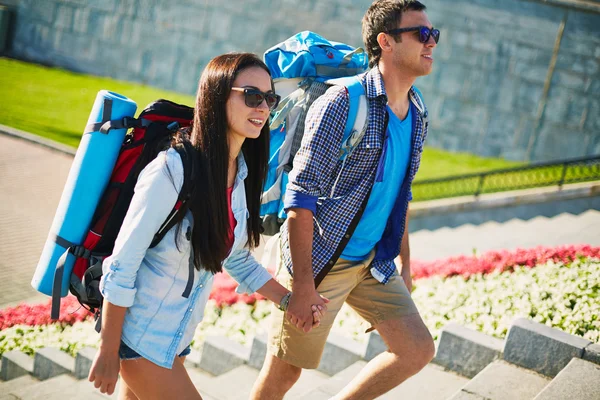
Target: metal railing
[(525, 177)]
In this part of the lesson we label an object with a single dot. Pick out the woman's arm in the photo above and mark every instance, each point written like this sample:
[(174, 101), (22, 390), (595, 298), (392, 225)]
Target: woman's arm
[(274, 291), (252, 277), (105, 368)]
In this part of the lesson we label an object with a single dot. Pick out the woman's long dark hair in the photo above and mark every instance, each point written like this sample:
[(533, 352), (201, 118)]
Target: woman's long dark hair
[(206, 143)]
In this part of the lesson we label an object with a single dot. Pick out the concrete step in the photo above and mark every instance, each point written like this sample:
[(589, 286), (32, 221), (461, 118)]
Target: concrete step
[(42, 390), (579, 380), (431, 383), (334, 384), (24, 381), (500, 381), (232, 385)]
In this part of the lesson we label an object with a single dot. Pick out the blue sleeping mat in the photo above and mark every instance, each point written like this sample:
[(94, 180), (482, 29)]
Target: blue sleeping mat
[(90, 173)]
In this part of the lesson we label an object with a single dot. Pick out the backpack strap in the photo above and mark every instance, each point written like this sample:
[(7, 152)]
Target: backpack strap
[(71, 250), (358, 113), (107, 124)]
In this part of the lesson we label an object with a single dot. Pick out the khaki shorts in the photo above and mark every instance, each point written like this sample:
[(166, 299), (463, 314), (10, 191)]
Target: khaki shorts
[(348, 281)]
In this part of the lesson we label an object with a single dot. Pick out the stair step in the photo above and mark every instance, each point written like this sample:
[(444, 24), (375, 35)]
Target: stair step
[(17, 383), (43, 390), (501, 380), (579, 380), (431, 383), (334, 384), (233, 385), (309, 379)]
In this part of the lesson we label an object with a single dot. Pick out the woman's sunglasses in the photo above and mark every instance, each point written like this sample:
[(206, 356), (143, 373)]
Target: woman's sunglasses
[(254, 97), (424, 33)]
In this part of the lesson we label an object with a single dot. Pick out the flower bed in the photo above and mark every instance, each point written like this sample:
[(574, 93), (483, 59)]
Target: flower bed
[(561, 295)]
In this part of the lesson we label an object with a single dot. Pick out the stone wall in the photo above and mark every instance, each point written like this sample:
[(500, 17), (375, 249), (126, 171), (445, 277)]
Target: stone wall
[(512, 78)]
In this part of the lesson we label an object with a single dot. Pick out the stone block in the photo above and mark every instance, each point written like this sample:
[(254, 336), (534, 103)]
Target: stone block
[(258, 351), (193, 359), (528, 96), (569, 80), (577, 63), (465, 351), (220, 354), (81, 17), (578, 380), (50, 362), (557, 105), (531, 71), (83, 362), (15, 364), (64, 17), (39, 11), (501, 380), (339, 353), (592, 353), (540, 348), (375, 346)]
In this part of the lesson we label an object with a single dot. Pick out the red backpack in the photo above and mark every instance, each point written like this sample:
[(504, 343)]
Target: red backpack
[(152, 132)]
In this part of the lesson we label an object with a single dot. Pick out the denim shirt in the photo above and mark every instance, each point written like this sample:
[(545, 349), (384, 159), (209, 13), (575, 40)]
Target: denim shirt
[(334, 190), (159, 322)]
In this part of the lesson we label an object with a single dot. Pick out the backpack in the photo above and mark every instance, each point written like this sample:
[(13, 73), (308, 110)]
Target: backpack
[(303, 67), (152, 132)]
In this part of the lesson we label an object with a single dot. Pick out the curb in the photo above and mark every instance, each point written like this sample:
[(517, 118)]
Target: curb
[(50, 144)]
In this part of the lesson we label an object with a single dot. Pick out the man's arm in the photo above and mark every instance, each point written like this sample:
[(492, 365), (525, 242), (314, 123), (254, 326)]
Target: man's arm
[(304, 294), (313, 164), (403, 260)]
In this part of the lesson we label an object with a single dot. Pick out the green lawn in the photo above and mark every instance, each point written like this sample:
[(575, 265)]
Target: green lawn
[(55, 104)]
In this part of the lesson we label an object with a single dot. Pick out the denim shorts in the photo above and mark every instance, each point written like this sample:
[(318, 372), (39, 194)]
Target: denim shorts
[(127, 353)]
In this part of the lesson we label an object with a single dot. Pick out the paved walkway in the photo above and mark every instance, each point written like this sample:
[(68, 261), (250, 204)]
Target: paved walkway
[(32, 178)]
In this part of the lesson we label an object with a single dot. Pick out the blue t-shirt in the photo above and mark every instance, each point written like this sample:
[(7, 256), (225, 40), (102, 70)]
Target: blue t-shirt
[(390, 175)]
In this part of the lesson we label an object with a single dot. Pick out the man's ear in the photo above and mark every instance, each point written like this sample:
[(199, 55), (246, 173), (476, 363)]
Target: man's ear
[(384, 42)]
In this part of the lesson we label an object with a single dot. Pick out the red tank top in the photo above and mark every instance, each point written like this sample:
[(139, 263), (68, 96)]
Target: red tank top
[(232, 221)]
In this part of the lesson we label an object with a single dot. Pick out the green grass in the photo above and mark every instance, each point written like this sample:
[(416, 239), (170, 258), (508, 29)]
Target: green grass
[(55, 104)]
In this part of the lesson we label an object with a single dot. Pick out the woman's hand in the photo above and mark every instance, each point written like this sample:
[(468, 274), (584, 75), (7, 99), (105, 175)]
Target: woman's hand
[(105, 370), (319, 311)]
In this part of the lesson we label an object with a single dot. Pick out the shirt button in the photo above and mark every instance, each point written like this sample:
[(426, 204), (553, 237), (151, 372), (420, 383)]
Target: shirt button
[(201, 285), (191, 309), (346, 236), (179, 334)]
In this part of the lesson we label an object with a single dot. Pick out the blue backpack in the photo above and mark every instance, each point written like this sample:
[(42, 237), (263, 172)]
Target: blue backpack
[(303, 67)]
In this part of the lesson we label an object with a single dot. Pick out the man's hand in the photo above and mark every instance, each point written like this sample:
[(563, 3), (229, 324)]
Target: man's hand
[(105, 370), (300, 310)]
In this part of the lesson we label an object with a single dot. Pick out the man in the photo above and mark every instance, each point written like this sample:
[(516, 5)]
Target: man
[(325, 198)]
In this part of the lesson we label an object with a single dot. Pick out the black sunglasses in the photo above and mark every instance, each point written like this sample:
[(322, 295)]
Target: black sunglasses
[(254, 97), (424, 32)]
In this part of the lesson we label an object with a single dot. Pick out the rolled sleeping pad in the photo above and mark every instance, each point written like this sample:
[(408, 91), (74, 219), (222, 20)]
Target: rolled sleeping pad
[(89, 174)]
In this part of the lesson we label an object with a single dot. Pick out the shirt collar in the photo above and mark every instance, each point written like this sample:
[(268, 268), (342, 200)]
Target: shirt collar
[(242, 171), (374, 84), (375, 88)]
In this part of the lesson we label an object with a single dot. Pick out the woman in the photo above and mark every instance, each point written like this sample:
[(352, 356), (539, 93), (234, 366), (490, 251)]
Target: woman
[(150, 312)]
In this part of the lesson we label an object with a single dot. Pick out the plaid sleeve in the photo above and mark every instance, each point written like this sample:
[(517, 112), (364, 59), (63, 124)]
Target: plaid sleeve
[(319, 152)]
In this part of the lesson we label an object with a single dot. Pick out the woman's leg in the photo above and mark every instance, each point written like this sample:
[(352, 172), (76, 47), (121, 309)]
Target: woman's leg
[(149, 381), (125, 392)]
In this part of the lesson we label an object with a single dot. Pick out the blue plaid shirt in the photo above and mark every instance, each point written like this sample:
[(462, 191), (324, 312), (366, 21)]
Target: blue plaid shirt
[(317, 166)]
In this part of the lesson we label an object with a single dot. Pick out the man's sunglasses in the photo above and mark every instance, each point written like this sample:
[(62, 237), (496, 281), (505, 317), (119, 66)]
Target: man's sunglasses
[(254, 97), (424, 32)]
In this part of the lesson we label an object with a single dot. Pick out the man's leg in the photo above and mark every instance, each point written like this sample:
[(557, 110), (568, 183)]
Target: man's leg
[(410, 348), (290, 349), (390, 309), (275, 379)]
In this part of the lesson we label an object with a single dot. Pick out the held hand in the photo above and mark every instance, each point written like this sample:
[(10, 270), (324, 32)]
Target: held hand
[(300, 312), (105, 371), (319, 311), (407, 278)]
